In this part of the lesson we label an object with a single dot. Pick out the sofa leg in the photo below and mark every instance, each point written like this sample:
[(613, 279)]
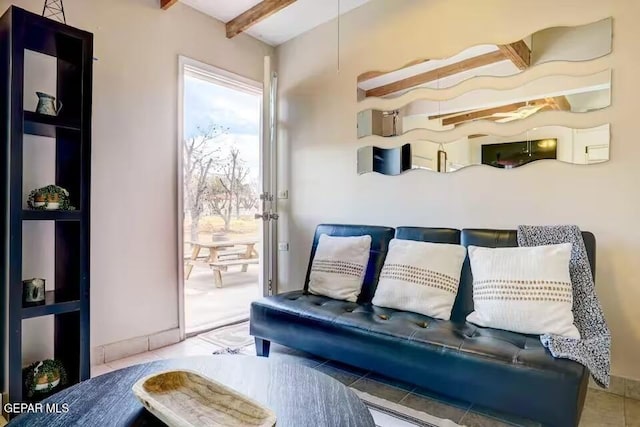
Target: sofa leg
[(262, 347)]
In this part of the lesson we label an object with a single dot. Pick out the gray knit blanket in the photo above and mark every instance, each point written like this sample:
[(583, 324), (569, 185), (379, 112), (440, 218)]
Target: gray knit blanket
[(593, 350)]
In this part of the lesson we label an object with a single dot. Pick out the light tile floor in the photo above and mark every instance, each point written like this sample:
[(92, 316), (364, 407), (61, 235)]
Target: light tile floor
[(601, 409)]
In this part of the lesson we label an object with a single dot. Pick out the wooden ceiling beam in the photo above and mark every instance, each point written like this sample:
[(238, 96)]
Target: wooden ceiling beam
[(438, 73), (518, 53), (257, 13), (166, 4), (480, 114), (373, 74), (487, 114), (559, 103)]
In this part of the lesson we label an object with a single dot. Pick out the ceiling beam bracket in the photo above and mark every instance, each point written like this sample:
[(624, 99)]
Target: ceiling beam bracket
[(518, 53), (166, 4)]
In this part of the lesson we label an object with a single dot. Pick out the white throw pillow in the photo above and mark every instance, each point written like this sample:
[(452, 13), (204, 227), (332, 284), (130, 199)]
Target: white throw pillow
[(339, 266), (523, 289), (421, 277)]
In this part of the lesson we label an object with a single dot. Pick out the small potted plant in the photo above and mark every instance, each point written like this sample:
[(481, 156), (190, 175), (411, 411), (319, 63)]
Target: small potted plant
[(51, 197), (44, 376)]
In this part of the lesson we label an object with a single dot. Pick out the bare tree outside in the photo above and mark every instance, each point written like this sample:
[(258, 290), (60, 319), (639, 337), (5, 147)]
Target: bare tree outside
[(200, 158), (226, 186), (246, 197), (215, 184)]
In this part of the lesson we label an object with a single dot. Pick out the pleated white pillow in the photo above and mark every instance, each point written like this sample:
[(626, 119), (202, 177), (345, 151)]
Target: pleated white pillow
[(420, 277), (339, 266), (523, 289)]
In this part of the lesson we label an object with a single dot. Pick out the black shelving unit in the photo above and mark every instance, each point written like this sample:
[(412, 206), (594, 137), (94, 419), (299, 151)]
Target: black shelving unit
[(69, 302)]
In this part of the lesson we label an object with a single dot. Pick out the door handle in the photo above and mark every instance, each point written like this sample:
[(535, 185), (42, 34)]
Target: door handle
[(267, 216)]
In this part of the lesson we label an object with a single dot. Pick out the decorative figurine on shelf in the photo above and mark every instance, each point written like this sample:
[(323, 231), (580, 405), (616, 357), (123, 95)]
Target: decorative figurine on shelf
[(54, 9), (47, 104), (44, 376), (33, 292), (50, 197)]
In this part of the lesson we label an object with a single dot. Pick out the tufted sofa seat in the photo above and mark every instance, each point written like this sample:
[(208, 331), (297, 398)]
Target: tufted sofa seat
[(501, 370), (440, 335)]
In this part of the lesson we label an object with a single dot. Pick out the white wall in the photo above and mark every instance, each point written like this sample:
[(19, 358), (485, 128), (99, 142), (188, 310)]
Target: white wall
[(134, 267), (318, 136)]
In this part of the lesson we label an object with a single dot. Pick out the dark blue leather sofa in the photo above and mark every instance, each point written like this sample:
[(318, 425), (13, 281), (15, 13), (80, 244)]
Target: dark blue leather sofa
[(501, 370)]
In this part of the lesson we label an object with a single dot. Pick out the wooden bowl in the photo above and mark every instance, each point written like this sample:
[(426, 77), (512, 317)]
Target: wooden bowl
[(186, 399)]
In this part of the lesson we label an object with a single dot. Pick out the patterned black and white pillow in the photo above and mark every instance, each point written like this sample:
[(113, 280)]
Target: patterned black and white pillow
[(420, 277), (339, 266), (523, 289)]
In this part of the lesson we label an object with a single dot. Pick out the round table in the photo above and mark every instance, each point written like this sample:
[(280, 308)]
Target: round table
[(299, 396)]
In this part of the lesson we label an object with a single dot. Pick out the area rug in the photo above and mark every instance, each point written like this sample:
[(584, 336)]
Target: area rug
[(229, 350), (389, 414), (232, 337), (235, 339)]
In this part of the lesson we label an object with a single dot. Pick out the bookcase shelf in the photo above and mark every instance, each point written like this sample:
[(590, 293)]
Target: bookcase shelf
[(43, 125), (51, 306), (45, 215), (66, 305)]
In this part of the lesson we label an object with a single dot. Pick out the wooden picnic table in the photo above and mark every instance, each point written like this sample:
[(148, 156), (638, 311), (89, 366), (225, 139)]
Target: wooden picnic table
[(246, 256)]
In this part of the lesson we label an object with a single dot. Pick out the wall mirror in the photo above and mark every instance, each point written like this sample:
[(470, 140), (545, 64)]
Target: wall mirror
[(576, 146), (577, 94), (579, 43)]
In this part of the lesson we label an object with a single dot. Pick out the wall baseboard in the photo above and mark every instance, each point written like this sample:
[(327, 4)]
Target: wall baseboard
[(118, 350), (620, 386)]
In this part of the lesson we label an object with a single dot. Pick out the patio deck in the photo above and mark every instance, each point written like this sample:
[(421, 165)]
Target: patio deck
[(208, 307)]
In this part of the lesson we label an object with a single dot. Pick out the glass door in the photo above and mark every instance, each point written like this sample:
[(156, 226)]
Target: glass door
[(224, 166), (268, 197)]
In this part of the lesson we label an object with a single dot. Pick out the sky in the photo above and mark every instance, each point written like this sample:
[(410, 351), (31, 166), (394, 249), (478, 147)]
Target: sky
[(206, 103)]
